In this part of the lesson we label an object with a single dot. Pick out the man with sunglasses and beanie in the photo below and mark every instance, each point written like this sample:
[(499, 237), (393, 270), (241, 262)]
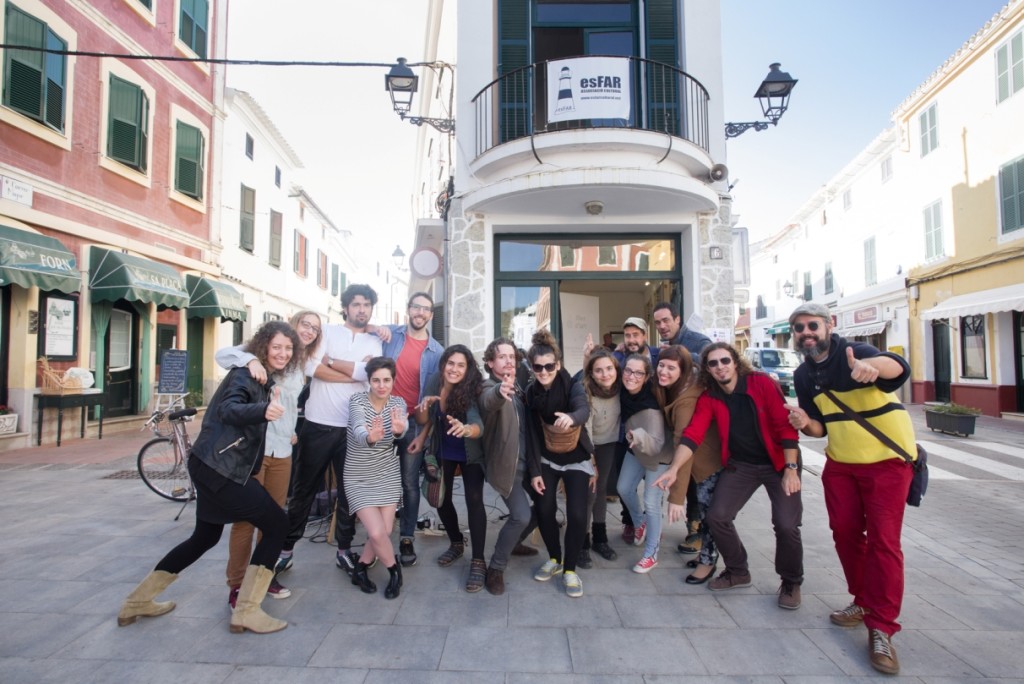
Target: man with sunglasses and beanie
[(759, 449), (865, 482)]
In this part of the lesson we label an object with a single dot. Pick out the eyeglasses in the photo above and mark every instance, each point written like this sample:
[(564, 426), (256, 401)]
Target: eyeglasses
[(419, 307), (811, 325), (310, 327), (725, 361), (549, 367), (629, 372)]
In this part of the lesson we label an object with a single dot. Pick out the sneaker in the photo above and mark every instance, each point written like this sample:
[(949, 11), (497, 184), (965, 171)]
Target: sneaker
[(584, 561), (850, 616), (276, 590), (346, 560), (789, 595), (573, 584), (233, 596), (640, 534), (646, 564), (729, 580), (548, 570), (283, 563), (883, 655), (628, 532), (406, 553)]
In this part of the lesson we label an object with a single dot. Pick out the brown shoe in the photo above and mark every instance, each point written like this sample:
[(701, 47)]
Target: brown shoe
[(495, 582), (789, 595), (477, 576), (850, 616), (524, 550), (883, 655), (729, 580)]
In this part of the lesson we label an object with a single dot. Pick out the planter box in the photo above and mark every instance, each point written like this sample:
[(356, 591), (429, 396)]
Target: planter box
[(952, 423), (8, 423)]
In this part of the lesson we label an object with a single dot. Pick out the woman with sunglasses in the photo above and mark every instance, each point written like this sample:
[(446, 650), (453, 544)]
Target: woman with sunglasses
[(678, 389), (647, 458), (449, 406), (559, 450), (602, 381)]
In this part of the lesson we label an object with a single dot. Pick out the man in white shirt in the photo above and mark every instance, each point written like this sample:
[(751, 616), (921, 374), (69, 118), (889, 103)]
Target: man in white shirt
[(338, 370)]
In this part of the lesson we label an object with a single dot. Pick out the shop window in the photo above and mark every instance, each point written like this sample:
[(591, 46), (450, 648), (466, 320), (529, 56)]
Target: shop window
[(972, 346)]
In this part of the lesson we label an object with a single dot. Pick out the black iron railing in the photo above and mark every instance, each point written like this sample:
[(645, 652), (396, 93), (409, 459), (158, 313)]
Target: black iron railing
[(662, 97)]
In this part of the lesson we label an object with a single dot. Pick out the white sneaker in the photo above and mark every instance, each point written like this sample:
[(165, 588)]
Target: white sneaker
[(573, 584), (548, 570)]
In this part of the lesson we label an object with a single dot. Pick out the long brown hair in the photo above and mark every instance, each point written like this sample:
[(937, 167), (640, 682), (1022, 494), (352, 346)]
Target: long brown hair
[(305, 352), (466, 392), (678, 353), (593, 390)]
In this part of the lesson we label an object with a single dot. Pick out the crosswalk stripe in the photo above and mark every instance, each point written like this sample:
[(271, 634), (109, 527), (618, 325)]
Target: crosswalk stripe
[(980, 462), (816, 461), (1000, 448)]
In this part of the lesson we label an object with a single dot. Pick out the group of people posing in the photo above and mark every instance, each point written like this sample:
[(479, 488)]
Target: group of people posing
[(688, 417)]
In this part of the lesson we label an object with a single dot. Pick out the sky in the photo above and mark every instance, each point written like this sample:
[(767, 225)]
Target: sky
[(856, 61)]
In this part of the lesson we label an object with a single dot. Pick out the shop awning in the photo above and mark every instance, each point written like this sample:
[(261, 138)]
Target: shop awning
[(780, 328), (1009, 298), (863, 330), (34, 260), (116, 275), (210, 299)]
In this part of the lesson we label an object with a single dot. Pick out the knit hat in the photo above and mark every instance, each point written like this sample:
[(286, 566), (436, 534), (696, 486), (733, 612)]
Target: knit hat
[(634, 322), (811, 309)]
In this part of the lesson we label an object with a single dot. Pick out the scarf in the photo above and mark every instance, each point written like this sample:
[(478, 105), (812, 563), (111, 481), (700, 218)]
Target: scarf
[(631, 404), (546, 402)]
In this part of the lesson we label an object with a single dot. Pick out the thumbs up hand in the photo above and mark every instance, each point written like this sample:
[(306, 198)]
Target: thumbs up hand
[(861, 370), (275, 409)]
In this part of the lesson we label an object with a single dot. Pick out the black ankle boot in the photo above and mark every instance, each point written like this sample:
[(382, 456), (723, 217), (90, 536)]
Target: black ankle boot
[(362, 580), (395, 583)]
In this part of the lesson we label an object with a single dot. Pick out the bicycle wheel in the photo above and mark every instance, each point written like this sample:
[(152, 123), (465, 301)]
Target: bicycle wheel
[(163, 471)]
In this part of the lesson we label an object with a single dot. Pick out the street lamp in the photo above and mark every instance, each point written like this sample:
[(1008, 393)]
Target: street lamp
[(401, 83), (399, 257), (773, 94), (790, 291)]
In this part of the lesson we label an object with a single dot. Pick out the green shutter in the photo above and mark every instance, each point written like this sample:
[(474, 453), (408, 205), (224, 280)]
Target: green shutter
[(188, 173), (513, 54), (661, 24), (23, 82), (200, 18), (1011, 194), (247, 213), (275, 239), (127, 118), (335, 271)]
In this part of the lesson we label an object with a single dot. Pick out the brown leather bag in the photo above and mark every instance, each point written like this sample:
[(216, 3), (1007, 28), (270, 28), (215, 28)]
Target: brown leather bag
[(558, 442)]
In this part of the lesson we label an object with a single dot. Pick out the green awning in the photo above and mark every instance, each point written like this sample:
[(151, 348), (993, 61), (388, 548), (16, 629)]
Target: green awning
[(780, 328), (210, 298), (34, 260), (116, 275)]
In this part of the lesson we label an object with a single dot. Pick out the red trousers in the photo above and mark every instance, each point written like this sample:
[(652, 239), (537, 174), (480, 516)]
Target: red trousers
[(865, 505)]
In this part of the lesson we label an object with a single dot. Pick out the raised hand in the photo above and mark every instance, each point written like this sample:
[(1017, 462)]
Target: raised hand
[(375, 429), (275, 409), (588, 346), (399, 421), (427, 401), (508, 386), (861, 371)]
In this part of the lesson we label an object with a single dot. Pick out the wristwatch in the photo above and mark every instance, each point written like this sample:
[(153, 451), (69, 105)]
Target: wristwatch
[(793, 466)]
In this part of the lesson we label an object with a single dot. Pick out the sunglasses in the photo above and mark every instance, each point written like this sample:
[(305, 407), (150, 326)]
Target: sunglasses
[(549, 367), (725, 361), (812, 326)]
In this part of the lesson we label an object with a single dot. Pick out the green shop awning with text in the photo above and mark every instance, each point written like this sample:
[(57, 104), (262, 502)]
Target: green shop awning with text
[(116, 275), (210, 299), (35, 260)]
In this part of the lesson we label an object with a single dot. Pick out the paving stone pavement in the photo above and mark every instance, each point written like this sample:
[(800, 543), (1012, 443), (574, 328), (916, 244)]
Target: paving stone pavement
[(75, 542)]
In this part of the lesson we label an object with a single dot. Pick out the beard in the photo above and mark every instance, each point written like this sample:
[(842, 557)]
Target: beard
[(819, 348)]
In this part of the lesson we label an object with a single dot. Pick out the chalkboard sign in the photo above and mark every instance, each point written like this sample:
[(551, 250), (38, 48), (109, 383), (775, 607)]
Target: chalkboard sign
[(173, 371)]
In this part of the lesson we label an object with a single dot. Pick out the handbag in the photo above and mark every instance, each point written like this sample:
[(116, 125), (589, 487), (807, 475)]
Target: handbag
[(560, 442), (919, 483), (433, 488)]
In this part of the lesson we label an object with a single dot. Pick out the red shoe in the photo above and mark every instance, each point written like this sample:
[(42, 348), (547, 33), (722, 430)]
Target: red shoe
[(640, 534), (233, 596), (628, 532)]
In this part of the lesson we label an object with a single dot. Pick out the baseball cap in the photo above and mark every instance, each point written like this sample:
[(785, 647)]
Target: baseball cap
[(636, 322), (811, 309)]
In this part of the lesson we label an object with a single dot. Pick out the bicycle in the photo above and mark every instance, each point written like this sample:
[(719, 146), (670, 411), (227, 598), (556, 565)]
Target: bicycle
[(163, 461)]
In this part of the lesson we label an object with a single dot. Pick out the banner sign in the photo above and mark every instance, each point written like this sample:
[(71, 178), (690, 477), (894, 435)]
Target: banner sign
[(588, 88)]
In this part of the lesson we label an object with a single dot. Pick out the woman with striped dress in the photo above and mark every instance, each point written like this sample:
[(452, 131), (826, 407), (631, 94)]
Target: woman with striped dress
[(373, 477)]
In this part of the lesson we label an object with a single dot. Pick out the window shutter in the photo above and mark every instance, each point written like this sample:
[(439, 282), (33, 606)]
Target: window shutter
[(189, 166), (200, 18), (247, 226), (23, 87), (54, 115), (513, 54), (334, 280), (275, 239), (662, 85), (126, 140)]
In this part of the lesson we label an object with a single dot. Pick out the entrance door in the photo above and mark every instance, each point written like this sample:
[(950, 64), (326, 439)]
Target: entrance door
[(941, 358), (1018, 356), (122, 368), (195, 360)]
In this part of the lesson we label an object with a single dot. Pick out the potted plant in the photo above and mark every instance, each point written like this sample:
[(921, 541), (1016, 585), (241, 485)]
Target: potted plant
[(952, 418), (8, 420)]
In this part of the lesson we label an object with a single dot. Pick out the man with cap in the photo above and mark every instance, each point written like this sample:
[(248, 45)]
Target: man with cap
[(865, 482), (672, 331), (634, 341)]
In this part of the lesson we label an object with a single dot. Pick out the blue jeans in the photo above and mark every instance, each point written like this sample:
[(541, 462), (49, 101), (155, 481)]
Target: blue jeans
[(412, 464), (630, 476)]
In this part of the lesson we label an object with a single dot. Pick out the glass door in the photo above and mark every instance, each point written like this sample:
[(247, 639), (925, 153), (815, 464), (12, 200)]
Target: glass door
[(941, 359), (120, 381), (524, 308)]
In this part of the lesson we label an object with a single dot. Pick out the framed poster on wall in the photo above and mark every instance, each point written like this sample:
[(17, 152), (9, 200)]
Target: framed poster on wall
[(58, 334)]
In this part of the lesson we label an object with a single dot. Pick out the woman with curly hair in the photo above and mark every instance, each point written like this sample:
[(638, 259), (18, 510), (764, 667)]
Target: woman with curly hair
[(449, 406), (559, 450), (227, 451), (603, 383)]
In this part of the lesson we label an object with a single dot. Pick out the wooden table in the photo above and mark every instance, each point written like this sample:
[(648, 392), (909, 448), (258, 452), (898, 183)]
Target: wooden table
[(84, 399)]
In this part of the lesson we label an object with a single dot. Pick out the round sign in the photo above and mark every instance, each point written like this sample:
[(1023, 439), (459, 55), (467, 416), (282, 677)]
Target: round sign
[(425, 262)]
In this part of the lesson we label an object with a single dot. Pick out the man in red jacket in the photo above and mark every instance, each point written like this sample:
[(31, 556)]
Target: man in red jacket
[(759, 448)]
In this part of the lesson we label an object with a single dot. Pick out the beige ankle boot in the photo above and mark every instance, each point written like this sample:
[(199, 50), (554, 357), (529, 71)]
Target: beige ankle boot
[(140, 602), (248, 615)]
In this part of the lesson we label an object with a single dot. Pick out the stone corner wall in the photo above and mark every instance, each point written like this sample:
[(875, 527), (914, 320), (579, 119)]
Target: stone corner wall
[(716, 275)]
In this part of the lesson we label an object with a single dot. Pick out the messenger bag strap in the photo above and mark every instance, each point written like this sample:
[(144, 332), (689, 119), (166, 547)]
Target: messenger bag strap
[(860, 420)]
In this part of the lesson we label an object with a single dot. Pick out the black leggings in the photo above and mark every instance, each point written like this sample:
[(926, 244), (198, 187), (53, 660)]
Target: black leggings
[(577, 487), (473, 488)]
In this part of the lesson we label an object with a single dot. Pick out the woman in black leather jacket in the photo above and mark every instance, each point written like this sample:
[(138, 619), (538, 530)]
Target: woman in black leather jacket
[(225, 455)]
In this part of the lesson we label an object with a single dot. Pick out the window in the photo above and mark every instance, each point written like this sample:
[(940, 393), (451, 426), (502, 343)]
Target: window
[(847, 199), (808, 290), (250, 146), (606, 255), (300, 260), (321, 269), (188, 162), (277, 176), (566, 256), (1011, 195), (886, 168), (128, 126), (34, 82), (247, 220), (972, 346), (760, 311), (1010, 67), (933, 248), (275, 238), (929, 129), (192, 25), (870, 270), (335, 272), (148, 4), (829, 283)]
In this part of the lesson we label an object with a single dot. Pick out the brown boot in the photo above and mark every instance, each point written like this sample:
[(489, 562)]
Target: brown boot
[(140, 602), (248, 615), (495, 582)]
